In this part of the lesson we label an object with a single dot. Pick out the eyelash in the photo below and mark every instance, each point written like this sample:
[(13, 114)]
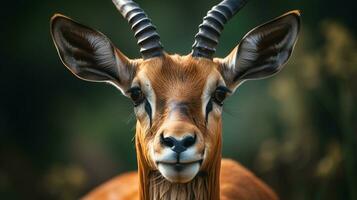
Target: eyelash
[(220, 94)]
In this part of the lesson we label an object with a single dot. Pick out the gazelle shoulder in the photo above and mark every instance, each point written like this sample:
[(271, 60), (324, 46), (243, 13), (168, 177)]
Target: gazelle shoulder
[(237, 182), (122, 187)]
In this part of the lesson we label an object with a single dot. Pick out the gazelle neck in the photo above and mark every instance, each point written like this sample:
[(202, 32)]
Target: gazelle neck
[(205, 186), (160, 188)]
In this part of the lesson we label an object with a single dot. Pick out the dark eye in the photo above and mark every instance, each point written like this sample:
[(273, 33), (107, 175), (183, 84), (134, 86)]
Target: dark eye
[(220, 94), (136, 95)]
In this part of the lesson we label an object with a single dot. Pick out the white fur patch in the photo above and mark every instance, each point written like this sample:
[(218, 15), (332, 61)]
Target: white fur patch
[(145, 85), (167, 155), (186, 174), (213, 81)]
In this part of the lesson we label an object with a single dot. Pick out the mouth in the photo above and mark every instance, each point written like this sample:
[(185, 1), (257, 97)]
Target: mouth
[(179, 172), (179, 166)]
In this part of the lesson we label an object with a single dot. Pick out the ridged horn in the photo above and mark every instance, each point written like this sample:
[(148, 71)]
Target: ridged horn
[(213, 23), (144, 31)]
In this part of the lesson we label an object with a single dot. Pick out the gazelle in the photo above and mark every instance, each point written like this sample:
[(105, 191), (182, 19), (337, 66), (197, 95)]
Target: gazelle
[(178, 100)]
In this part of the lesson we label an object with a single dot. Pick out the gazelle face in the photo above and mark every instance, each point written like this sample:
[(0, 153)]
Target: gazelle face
[(177, 99), (178, 103)]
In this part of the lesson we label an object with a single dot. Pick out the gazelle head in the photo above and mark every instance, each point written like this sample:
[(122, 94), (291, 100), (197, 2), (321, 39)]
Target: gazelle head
[(177, 99)]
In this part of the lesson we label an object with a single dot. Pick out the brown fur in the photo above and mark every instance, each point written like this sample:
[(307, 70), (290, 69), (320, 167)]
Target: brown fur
[(182, 79), (161, 189)]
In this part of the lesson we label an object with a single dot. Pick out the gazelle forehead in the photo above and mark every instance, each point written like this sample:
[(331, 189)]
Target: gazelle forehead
[(178, 77)]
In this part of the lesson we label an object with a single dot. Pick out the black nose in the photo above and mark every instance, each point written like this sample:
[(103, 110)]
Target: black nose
[(178, 146)]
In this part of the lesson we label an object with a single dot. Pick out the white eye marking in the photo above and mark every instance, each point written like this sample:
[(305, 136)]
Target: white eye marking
[(213, 80), (145, 85)]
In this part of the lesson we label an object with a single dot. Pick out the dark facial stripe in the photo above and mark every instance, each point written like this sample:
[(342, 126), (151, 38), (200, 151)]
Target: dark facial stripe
[(208, 108), (148, 110)]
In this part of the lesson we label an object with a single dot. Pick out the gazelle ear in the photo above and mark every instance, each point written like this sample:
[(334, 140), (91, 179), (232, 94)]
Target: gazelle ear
[(262, 52), (89, 54)]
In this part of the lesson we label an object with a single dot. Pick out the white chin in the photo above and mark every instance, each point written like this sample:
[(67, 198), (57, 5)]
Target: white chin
[(179, 174)]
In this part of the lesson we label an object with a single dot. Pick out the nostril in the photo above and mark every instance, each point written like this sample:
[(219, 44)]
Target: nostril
[(167, 141), (177, 146), (189, 141)]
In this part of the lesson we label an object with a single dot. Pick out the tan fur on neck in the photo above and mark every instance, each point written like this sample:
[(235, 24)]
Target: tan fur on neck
[(161, 189)]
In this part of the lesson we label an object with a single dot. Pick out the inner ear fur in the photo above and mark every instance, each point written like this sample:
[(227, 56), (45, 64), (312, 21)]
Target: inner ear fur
[(89, 54), (262, 52)]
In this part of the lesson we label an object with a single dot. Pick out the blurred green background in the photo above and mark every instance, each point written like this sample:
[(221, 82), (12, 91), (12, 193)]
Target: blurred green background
[(60, 136)]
